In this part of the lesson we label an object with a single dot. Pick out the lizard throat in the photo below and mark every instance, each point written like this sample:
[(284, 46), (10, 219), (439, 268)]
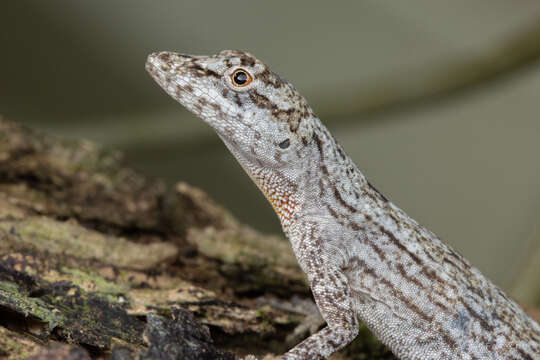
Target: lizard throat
[(276, 187), (279, 191)]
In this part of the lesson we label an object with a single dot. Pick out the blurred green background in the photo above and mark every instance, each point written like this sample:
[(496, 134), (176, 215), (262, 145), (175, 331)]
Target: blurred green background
[(438, 102)]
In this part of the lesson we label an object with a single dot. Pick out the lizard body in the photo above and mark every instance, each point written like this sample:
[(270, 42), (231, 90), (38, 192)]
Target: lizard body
[(365, 259)]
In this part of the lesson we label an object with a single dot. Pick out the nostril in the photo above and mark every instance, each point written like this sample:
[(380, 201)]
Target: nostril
[(158, 62), (164, 56)]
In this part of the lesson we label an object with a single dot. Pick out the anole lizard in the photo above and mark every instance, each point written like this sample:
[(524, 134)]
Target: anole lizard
[(365, 259)]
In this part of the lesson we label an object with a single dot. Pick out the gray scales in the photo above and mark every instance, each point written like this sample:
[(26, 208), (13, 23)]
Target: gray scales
[(365, 259)]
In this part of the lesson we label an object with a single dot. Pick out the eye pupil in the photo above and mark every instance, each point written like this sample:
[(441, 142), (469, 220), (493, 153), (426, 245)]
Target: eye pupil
[(284, 144), (241, 78)]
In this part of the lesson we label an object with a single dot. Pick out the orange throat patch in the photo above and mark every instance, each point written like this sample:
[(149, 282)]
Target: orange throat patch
[(279, 191)]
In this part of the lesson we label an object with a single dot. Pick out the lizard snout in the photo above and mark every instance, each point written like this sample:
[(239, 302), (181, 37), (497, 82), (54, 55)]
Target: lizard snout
[(158, 60)]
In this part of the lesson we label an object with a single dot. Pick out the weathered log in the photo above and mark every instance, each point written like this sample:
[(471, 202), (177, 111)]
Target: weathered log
[(95, 255)]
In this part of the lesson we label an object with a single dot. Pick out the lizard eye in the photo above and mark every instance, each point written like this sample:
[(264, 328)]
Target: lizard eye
[(241, 78)]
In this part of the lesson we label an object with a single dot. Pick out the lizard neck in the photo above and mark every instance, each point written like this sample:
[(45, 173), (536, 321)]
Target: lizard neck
[(327, 176), (331, 180), (334, 196), (278, 186)]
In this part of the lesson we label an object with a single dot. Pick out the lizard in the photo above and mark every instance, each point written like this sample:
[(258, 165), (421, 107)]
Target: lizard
[(365, 258)]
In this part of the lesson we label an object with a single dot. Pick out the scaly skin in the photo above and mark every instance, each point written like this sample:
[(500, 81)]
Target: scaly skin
[(364, 257)]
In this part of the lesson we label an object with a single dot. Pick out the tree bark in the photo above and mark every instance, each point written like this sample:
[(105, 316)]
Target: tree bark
[(100, 261)]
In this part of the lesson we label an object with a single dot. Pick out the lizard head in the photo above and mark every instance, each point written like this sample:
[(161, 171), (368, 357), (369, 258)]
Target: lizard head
[(237, 95), (260, 117)]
